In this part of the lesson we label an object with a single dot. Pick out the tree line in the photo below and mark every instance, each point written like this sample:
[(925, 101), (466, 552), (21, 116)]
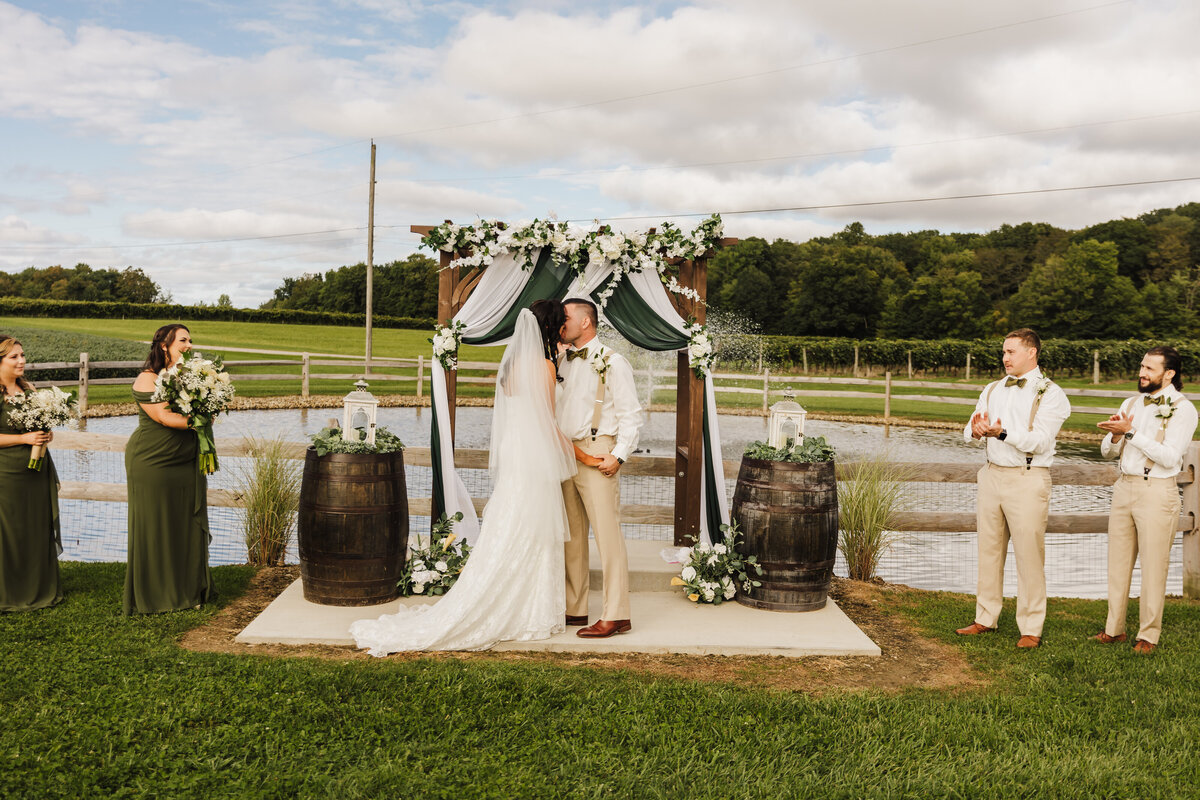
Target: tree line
[(1124, 278), (129, 285), (407, 288)]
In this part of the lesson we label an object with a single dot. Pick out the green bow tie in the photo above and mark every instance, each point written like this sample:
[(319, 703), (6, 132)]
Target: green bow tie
[(1154, 401), (1017, 382), (574, 354)]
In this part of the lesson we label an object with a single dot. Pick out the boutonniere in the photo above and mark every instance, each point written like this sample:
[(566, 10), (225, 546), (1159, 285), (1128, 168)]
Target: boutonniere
[(1165, 412), (1043, 383), (601, 361)]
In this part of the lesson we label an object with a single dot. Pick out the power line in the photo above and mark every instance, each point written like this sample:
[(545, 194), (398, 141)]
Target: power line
[(900, 202)]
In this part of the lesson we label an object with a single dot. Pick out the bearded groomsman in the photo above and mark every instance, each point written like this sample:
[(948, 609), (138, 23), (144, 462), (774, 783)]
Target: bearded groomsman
[(1150, 433), (1018, 418)]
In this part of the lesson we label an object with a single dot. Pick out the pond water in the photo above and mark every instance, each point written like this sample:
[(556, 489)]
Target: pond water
[(1075, 564)]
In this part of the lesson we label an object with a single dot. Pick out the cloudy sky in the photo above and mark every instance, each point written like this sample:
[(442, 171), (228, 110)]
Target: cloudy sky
[(221, 146)]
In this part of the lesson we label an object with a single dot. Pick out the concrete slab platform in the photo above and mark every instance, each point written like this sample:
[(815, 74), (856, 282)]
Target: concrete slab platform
[(663, 622)]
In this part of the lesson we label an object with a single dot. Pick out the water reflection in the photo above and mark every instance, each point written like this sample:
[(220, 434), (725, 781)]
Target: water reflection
[(1075, 564)]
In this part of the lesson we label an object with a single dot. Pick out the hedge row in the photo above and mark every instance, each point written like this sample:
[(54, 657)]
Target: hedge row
[(1059, 356), (42, 346), (31, 307)]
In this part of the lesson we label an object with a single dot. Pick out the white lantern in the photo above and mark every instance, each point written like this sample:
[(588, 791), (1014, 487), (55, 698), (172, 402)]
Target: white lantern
[(785, 425), (358, 415)]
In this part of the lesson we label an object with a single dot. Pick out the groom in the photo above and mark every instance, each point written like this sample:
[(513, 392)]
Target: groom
[(600, 413)]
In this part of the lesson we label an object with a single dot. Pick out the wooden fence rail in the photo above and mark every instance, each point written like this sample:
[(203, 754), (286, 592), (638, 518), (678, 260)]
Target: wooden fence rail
[(660, 466)]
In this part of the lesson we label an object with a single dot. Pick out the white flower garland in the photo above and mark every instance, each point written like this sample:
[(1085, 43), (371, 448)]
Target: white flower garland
[(627, 252), (445, 341), (700, 349)]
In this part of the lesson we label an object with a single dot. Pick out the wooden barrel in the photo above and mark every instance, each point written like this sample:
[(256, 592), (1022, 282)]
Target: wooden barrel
[(788, 514), (353, 527)]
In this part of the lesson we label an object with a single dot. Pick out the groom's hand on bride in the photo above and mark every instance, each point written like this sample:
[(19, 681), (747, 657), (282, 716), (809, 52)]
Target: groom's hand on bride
[(609, 465)]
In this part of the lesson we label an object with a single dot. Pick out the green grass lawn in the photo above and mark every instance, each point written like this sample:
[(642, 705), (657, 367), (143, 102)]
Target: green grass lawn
[(99, 705)]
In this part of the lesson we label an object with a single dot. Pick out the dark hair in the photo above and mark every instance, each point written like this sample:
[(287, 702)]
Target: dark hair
[(164, 337), (550, 319), (1171, 360), (1028, 337), (593, 315), (7, 343)]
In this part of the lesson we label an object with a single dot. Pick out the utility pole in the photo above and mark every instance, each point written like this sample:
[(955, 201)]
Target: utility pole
[(370, 260)]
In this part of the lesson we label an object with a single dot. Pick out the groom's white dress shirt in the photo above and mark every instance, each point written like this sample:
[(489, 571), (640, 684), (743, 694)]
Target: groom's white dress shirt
[(620, 414)]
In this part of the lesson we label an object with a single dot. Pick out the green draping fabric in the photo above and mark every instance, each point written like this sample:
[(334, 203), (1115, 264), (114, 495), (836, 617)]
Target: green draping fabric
[(549, 281), (636, 321), (712, 506)]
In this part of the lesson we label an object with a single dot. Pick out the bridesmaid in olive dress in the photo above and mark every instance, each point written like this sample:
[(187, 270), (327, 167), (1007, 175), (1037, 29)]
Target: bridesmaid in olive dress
[(29, 530), (168, 496)]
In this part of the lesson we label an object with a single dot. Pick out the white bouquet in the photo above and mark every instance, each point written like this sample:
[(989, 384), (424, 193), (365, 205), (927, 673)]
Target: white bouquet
[(445, 343), (713, 573), (198, 389), (699, 349), (41, 410)]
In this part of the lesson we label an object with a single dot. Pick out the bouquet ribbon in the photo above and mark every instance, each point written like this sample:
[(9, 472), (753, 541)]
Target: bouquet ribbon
[(208, 448), (37, 457)]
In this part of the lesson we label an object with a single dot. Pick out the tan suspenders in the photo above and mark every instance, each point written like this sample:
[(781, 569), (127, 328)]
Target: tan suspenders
[(1033, 409)]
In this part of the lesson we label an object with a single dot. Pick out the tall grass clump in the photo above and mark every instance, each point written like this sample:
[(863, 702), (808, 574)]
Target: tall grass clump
[(270, 489), (867, 506)]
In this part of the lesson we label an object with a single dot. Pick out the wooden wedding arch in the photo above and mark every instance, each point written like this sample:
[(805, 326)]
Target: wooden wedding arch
[(455, 286)]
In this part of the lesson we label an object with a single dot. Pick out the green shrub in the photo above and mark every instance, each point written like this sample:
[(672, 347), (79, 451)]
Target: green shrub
[(270, 489), (867, 504)]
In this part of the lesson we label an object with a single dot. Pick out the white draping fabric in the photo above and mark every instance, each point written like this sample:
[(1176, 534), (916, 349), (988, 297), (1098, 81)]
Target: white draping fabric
[(496, 293)]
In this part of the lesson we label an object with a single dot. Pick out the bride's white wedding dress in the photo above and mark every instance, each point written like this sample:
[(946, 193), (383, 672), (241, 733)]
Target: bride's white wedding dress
[(513, 585)]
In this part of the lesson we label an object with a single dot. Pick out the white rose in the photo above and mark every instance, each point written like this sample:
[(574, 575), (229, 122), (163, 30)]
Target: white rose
[(730, 591), (418, 588), (558, 240), (688, 573), (708, 595), (720, 549), (703, 547), (418, 566), (441, 566), (712, 560)]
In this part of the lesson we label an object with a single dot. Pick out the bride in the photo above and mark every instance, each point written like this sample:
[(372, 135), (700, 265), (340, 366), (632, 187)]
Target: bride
[(512, 587)]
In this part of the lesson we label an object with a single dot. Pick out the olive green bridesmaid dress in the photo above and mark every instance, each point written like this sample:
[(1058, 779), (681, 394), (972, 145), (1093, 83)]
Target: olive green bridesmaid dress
[(167, 564), (30, 539)]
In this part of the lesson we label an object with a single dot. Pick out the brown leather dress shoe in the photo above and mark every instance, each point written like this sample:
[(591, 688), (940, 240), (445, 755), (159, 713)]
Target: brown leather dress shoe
[(1143, 647), (574, 620), (1029, 642), (1103, 638), (604, 628), (973, 629)]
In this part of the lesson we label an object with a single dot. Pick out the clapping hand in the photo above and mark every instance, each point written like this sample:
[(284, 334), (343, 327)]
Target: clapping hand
[(1118, 425), (982, 427)]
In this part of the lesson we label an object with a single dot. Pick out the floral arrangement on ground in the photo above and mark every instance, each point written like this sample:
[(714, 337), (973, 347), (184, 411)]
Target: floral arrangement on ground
[(434, 569), (714, 573), (329, 440)]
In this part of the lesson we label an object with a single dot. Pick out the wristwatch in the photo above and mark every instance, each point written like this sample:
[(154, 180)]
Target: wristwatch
[(1002, 435), (1128, 435), (620, 461)]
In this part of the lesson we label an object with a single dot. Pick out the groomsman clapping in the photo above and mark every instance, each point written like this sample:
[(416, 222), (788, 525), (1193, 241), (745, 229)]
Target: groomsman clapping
[(1150, 434)]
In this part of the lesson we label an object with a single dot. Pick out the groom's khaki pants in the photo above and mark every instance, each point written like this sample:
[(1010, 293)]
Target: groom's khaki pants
[(1012, 503), (592, 498), (1143, 520)]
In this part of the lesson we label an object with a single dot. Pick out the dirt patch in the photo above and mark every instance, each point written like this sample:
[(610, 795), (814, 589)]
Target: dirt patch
[(908, 660)]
